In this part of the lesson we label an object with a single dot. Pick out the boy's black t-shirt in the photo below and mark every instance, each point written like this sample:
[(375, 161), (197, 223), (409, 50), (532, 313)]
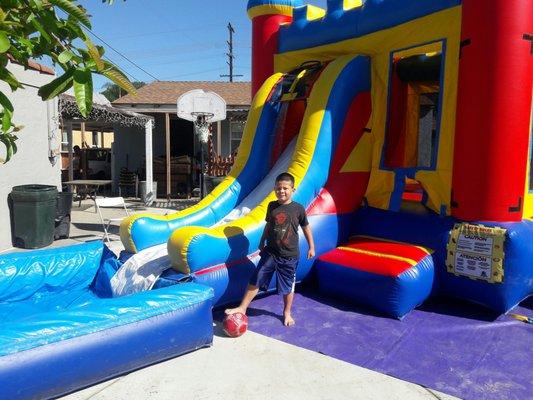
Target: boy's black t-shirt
[(282, 234)]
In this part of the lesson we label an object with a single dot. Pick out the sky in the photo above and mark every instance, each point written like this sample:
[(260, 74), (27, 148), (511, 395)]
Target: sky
[(173, 40)]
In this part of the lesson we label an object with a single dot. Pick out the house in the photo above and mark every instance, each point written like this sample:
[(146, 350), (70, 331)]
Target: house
[(94, 132), (37, 159), (85, 135), (174, 136)]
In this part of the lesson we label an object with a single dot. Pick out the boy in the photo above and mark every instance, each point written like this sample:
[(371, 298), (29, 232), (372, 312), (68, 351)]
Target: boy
[(281, 253)]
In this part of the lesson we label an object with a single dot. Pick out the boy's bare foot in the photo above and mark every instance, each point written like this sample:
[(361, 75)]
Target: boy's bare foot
[(289, 321), (235, 310)]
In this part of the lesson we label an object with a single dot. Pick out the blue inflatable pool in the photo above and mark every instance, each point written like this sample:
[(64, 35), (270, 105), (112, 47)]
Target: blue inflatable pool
[(61, 330)]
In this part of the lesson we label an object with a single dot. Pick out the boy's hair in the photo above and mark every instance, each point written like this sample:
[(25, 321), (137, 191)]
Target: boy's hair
[(285, 176)]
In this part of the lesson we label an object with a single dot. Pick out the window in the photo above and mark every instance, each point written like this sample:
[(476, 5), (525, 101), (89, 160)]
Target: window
[(236, 131), (95, 139), (64, 141), (411, 139)]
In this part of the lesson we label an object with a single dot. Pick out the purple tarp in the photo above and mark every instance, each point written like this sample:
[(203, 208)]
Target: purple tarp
[(450, 346)]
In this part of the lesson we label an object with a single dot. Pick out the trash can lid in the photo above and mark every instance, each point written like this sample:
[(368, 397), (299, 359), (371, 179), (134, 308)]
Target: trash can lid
[(34, 188)]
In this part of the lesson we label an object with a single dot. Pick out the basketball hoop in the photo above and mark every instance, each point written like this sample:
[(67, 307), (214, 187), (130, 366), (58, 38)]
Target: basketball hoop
[(202, 108), (202, 125)]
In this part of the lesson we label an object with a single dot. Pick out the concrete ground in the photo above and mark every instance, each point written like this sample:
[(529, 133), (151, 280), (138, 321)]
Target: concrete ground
[(252, 366)]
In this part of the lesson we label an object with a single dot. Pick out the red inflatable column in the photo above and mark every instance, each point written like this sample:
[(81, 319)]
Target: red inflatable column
[(267, 16), (493, 110)]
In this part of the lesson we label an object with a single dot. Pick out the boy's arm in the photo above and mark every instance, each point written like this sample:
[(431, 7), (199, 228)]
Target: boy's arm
[(309, 237)]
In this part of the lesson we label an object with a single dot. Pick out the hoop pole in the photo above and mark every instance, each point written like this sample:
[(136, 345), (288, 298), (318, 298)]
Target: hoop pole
[(202, 178)]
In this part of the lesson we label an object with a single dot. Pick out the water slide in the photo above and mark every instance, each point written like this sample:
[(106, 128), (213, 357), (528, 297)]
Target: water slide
[(253, 162), (194, 248), (225, 228)]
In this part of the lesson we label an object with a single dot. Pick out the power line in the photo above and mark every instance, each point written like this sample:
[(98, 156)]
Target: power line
[(192, 49), (188, 61), (119, 53), (185, 29), (193, 73)]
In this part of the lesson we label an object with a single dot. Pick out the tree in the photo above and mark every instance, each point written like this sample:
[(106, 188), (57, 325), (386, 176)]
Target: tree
[(112, 91), (54, 28)]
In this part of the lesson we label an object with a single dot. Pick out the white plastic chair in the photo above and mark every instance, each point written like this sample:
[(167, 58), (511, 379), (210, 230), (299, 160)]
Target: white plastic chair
[(110, 202)]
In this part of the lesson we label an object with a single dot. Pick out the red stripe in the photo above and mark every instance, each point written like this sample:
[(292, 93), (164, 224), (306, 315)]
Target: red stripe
[(290, 124), (366, 262), (226, 265), (412, 196), (342, 194), (396, 249), (344, 191), (354, 127)]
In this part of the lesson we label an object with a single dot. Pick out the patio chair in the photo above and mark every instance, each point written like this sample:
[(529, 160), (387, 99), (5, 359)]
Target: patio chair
[(127, 180), (110, 202)]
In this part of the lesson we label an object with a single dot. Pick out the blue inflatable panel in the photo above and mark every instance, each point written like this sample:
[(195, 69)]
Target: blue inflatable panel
[(94, 315), (60, 332), (394, 296), (339, 24), (289, 3), (517, 282), (34, 275), (59, 368)]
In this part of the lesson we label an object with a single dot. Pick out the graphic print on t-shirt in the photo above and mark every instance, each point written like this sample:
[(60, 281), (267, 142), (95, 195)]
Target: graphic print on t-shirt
[(282, 229)]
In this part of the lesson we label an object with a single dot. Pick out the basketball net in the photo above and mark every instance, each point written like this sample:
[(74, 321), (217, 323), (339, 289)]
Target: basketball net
[(202, 126)]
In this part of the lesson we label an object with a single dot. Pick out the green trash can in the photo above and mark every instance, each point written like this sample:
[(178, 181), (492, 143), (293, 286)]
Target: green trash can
[(34, 211)]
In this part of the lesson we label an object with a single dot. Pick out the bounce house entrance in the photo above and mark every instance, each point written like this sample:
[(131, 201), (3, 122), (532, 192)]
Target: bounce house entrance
[(412, 134)]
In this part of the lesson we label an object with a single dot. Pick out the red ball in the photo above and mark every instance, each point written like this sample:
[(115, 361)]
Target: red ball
[(235, 324)]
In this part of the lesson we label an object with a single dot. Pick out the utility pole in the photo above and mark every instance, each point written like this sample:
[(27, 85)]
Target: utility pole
[(230, 54)]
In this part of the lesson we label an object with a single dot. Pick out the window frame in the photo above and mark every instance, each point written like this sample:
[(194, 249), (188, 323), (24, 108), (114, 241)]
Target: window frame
[(231, 138), (411, 171)]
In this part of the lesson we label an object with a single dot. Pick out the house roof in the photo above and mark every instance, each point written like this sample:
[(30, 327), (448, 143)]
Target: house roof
[(165, 92), (32, 64), (102, 116)]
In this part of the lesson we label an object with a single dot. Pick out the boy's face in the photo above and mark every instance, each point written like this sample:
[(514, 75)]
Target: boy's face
[(284, 191)]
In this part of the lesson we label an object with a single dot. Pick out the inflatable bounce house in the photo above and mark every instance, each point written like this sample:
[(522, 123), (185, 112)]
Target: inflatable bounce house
[(407, 126)]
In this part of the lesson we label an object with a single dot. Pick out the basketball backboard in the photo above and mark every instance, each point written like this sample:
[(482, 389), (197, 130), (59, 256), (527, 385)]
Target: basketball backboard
[(199, 102)]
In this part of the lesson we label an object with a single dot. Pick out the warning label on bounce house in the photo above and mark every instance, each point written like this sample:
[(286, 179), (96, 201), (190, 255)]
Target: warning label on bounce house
[(476, 251)]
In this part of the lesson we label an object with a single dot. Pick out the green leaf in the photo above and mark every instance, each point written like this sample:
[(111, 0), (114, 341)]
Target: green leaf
[(36, 24), (4, 101), (6, 120), (73, 27), (95, 54), (65, 56), (4, 42), (10, 79), (57, 86), (9, 143), (70, 8), (14, 144), (83, 91), (120, 80)]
